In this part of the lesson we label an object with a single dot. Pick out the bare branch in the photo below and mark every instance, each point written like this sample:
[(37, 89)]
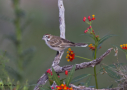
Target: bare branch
[(84, 64), (61, 18), (62, 31), (43, 79), (59, 69)]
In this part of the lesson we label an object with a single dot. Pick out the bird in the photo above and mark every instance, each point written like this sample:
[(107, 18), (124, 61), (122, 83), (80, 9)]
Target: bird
[(59, 44)]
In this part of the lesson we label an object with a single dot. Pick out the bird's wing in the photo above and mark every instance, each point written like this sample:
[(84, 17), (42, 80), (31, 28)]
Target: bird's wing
[(55, 41), (60, 42), (66, 43)]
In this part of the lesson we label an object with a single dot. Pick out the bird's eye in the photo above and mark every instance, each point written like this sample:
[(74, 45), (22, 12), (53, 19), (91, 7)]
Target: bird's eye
[(47, 36)]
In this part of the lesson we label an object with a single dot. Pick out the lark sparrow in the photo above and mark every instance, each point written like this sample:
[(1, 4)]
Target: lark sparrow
[(59, 44)]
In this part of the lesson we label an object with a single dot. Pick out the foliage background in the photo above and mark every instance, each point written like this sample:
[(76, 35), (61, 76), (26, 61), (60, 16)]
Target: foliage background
[(110, 17)]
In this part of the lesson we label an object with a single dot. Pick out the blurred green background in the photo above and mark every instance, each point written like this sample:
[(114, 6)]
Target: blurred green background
[(111, 16)]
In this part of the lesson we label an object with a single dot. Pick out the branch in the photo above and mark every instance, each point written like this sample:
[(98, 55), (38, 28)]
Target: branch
[(43, 79), (84, 64), (62, 31), (59, 69), (88, 88)]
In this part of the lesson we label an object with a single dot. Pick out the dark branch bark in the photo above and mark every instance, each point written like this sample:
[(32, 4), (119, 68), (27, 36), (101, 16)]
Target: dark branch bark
[(59, 69), (84, 64)]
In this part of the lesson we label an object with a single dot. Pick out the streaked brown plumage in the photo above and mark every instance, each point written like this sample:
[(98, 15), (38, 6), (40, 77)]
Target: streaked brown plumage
[(59, 44)]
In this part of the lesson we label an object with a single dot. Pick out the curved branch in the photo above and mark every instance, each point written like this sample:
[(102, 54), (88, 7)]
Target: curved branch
[(59, 69)]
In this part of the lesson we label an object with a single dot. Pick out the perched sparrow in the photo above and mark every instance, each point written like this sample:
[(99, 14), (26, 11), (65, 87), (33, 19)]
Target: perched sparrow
[(59, 44)]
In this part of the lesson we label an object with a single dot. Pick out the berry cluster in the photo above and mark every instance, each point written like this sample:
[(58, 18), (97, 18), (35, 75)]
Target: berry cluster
[(124, 46), (89, 18), (63, 87), (49, 71), (92, 47), (70, 56)]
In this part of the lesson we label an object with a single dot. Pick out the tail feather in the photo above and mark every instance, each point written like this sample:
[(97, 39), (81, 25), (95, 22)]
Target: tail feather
[(80, 45)]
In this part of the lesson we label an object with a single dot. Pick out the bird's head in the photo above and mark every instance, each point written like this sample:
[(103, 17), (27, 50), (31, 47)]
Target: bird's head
[(47, 37)]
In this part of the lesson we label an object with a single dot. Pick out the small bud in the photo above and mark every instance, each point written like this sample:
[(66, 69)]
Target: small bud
[(121, 46), (85, 31), (88, 17), (66, 72), (97, 36), (84, 19), (48, 71), (90, 27), (51, 73), (93, 18)]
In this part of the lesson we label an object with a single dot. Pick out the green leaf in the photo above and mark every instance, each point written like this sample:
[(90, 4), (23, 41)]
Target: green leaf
[(61, 81), (80, 77), (69, 78), (50, 79), (109, 69), (87, 83), (55, 77), (105, 38)]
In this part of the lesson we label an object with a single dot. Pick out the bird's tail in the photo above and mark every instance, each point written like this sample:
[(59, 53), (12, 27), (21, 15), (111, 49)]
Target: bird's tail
[(80, 45)]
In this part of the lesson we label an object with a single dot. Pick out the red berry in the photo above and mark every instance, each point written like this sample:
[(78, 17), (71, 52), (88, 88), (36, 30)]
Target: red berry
[(52, 87), (85, 31), (93, 18), (90, 27), (88, 17), (51, 73), (84, 19), (66, 72), (48, 71)]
